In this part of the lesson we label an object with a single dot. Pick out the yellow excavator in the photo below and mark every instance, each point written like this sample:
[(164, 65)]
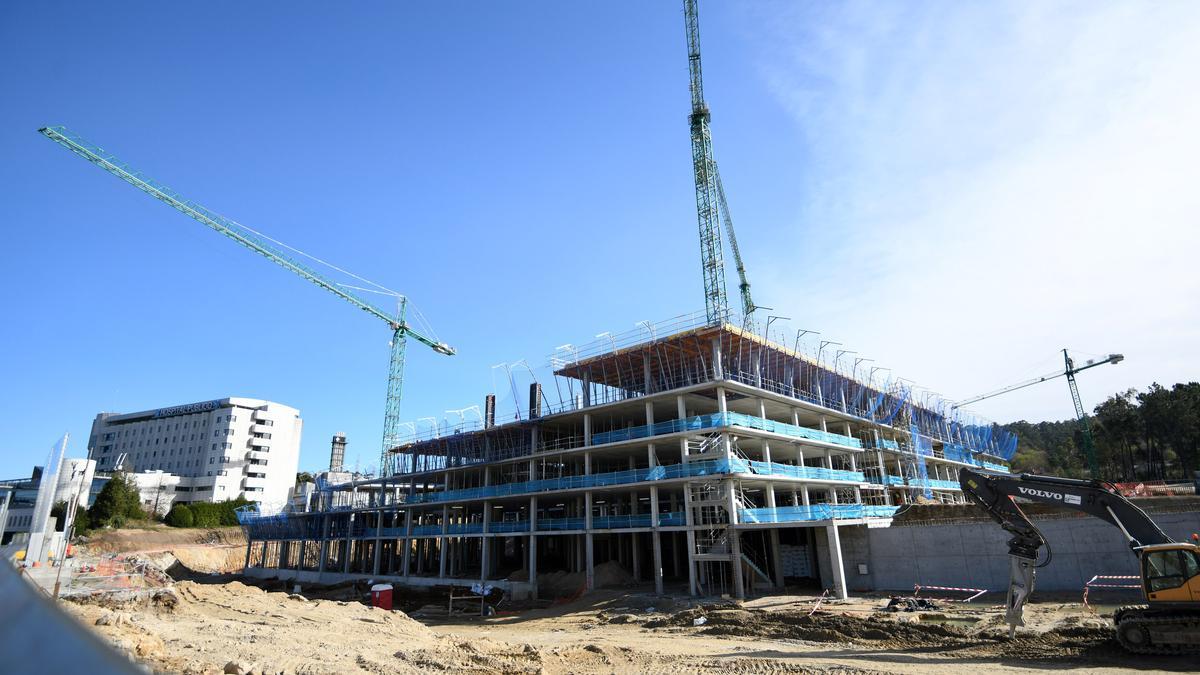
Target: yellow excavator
[(1169, 622)]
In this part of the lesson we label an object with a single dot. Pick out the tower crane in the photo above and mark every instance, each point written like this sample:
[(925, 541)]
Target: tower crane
[(748, 305), (262, 245), (712, 265), (712, 209), (1081, 417)]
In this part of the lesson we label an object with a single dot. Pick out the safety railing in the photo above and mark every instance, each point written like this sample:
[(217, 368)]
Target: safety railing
[(701, 422), (934, 483), (809, 472), (886, 480), (692, 469), (792, 514)]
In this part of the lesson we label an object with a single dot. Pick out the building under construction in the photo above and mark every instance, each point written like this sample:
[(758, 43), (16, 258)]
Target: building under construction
[(696, 456)]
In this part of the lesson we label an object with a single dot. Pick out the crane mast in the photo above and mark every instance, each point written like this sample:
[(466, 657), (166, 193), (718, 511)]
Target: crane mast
[(748, 305), (1081, 417), (401, 331), (716, 304)]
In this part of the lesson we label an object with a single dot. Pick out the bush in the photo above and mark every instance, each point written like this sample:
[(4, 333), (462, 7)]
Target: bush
[(83, 521), (117, 503), (180, 516)]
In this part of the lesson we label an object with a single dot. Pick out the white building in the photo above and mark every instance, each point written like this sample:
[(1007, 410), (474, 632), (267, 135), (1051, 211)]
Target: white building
[(220, 450)]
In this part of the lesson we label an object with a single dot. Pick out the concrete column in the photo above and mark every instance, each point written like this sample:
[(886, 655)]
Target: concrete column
[(407, 540), (587, 429), (648, 384), (680, 407), (776, 558), (722, 404), (533, 582), (348, 548), (656, 550), (324, 559), (378, 551), (693, 588), (804, 495), (835, 561), (735, 548), (443, 542), (824, 426), (485, 542), (848, 432), (590, 543), (795, 417), (718, 367)]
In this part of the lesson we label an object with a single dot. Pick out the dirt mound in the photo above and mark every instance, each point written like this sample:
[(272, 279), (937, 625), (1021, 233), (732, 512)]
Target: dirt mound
[(1073, 637), (160, 537), (567, 584)]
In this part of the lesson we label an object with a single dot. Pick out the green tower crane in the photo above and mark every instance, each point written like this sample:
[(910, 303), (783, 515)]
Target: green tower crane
[(712, 209), (716, 304), (256, 242), (1081, 416)]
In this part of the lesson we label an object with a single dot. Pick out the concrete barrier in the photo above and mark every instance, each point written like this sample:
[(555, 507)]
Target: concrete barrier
[(975, 554)]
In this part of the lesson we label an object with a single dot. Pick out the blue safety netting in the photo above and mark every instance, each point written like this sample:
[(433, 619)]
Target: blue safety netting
[(729, 419), (792, 514)]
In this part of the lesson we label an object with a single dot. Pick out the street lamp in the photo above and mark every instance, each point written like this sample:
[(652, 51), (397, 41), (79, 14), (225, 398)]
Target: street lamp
[(824, 344), (767, 330), (433, 422), (839, 356), (801, 333), (855, 368), (649, 327)]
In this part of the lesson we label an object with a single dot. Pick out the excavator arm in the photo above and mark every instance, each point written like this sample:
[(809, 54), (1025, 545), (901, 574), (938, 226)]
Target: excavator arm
[(995, 492)]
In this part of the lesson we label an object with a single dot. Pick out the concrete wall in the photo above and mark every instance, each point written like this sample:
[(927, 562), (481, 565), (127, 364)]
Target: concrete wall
[(975, 554)]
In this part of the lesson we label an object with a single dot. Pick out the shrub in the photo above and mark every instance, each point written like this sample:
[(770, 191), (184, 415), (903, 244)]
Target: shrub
[(180, 516)]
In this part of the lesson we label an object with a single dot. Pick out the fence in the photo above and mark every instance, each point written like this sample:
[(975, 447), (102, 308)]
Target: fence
[(1105, 581)]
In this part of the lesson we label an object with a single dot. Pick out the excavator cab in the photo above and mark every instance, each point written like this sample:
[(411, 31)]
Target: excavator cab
[(1171, 573)]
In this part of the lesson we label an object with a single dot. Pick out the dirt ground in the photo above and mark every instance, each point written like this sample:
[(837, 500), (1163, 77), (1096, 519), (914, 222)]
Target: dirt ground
[(209, 622)]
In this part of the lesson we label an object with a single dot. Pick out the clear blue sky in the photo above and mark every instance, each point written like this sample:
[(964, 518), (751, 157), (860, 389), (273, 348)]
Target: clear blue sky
[(903, 180)]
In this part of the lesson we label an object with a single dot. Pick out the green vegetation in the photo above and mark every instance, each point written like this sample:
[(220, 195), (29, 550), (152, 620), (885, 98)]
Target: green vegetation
[(180, 516), (205, 514), (117, 503), (304, 477), (1150, 435)]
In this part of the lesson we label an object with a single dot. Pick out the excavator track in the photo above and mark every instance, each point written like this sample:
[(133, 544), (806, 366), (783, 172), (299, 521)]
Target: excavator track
[(1155, 631)]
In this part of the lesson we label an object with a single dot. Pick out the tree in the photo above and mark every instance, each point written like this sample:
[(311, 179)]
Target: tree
[(304, 477), (180, 516), (117, 502), (83, 521), (59, 513)]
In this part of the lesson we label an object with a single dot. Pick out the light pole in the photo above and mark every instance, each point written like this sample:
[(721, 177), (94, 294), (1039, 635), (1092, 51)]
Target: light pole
[(767, 330), (824, 344), (839, 356), (649, 327), (857, 361), (801, 333), (433, 422), (512, 386)]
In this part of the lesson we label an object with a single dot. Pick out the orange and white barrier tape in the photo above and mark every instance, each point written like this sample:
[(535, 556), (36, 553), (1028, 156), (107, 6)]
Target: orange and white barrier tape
[(819, 601), (1092, 583), (976, 592)]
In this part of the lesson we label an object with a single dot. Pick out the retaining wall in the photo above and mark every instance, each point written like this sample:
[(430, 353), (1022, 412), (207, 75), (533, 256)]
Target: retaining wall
[(975, 554)]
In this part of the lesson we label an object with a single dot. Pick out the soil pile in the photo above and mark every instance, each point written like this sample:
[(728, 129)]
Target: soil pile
[(1071, 637), (570, 584)]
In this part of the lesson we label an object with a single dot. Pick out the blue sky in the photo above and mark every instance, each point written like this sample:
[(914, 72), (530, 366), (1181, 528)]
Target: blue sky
[(955, 190)]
